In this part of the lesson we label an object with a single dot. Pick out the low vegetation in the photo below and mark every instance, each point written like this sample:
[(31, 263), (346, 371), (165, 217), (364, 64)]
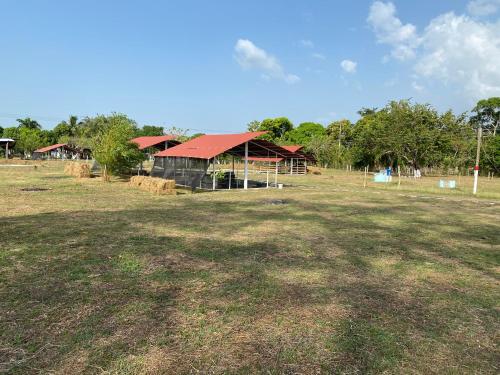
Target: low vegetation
[(324, 276)]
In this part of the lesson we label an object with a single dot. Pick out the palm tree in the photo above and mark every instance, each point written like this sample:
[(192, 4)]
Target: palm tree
[(28, 123)]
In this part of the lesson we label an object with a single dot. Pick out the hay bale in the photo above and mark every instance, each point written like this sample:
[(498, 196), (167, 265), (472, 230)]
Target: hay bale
[(136, 181), (153, 184), (68, 169), (79, 170), (314, 170)]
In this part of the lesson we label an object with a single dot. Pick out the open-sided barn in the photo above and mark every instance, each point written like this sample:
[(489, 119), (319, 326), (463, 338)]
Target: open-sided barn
[(189, 162)]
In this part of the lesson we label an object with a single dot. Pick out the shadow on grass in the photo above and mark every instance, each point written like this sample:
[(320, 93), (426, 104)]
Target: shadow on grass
[(86, 291)]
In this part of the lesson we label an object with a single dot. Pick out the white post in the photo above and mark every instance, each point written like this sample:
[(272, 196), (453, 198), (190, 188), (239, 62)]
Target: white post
[(267, 181), (476, 167), (291, 166), (7, 150), (213, 174), (245, 178), (276, 172)]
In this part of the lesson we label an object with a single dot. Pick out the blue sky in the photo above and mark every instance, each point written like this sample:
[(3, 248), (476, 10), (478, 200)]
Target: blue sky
[(214, 66)]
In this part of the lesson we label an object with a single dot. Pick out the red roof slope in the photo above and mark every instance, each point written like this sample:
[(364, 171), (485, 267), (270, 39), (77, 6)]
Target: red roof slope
[(150, 141), (209, 146), (293, 148), (50, 148)]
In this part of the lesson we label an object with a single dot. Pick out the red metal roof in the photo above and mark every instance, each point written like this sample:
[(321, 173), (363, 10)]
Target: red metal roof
[(150, 141), (263, 159), (209, 146), (293, 148), (50, 148)]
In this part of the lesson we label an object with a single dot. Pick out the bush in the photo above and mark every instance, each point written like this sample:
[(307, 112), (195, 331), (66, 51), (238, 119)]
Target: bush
[(112, 148)]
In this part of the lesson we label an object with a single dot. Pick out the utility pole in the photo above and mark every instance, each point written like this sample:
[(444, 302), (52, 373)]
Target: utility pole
[(478, 152)]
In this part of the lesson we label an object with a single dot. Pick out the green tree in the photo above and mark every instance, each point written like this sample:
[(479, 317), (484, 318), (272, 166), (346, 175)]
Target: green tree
[(490, 154), (28, 123), (305, 133), (111, 145), (48, 137), (29, 140), (341, 131), (150, 130), (12, 132), (253, 126), (276, 128), (402, 133), (487, 114), (329, 153), (455, 142), (67, 129)]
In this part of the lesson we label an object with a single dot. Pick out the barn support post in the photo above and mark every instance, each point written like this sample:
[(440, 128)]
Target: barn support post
[(267, 180), (213, 173), (7, 150), (232, 171), (291, 166), (245, 180)]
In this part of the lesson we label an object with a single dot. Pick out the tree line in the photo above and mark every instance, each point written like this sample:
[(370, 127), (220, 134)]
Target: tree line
[(402, 134)]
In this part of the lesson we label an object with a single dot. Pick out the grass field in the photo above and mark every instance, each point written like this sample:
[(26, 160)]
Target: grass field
[(324, 276)]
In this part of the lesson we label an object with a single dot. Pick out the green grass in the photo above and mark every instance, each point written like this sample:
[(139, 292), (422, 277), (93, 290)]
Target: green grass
[(102, 278)]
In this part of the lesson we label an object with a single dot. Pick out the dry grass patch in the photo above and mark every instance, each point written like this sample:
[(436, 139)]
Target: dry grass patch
[(98, 278)]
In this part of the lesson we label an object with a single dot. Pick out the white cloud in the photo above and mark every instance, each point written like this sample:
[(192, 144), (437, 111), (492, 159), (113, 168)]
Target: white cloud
[(454, 50), (417, 87), (249, 56), (349, 66), (483, 7), (306, 43), (319, 56), (390, 30), (464, 52)]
